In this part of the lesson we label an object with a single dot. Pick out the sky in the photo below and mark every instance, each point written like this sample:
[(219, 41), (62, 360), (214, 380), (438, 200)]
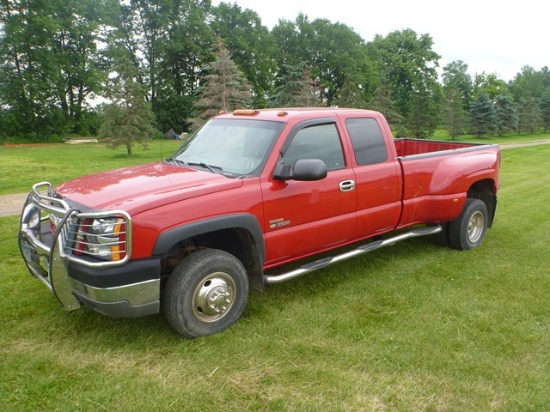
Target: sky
[(489, 36)]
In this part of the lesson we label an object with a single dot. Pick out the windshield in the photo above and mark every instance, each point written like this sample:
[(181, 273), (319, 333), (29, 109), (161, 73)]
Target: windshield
[(233, 147)]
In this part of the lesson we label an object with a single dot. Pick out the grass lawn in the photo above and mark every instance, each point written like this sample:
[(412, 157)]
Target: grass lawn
[(21, 166), (410, 327), (441, 134)]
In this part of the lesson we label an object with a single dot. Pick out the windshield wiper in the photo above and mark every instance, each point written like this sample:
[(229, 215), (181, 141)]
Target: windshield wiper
[(206, 166), (175, 161)]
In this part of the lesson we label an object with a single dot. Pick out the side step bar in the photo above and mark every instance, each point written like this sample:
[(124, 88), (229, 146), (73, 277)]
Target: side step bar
[(369, 247)]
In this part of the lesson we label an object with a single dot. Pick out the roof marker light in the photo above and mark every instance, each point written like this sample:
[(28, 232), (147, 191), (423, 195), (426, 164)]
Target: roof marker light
[(245, 112)]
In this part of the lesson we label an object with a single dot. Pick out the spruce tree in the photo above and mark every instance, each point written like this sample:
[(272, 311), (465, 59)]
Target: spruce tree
[(129, 119), (505, 114), (482, 115), (423, 116), (454, 115), (529, 115), (295, 88), (225, 88), (351, 95), (545, 109), (382, 102)]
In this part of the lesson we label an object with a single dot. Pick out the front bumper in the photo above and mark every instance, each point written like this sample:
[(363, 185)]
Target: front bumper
[(117, 289)]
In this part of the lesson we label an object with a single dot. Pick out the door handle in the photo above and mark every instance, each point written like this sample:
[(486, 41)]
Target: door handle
[(347, 186)]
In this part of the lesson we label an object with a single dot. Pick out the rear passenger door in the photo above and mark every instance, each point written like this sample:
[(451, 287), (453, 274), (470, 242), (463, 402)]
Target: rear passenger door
[(307, 217), (377, 175)]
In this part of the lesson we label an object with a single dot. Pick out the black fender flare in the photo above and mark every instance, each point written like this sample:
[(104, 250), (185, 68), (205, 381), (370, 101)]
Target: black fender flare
[(246, 221)]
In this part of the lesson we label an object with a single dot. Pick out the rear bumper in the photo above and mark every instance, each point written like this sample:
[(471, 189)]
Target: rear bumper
[(130, 289)]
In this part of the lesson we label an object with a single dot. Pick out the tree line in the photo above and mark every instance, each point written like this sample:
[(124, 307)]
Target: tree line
[(176, 62)]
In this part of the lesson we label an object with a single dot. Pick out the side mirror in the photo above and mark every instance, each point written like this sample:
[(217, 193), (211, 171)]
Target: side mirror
[(303, 170)]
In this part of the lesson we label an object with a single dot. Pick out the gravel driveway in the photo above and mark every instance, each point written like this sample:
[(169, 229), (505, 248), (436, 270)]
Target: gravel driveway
[(12, 204)]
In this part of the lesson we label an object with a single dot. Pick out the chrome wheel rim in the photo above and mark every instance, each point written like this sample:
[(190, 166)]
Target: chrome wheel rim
[(213, 297), (475, 227)]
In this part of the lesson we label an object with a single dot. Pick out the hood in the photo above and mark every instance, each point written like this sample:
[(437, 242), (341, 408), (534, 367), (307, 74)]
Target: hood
[(138, 188)]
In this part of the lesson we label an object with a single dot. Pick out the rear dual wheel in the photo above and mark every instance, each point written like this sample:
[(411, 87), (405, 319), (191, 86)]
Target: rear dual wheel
[(206, 293), (468, 230)]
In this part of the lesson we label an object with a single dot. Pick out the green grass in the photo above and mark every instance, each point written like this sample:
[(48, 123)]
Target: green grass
[(441, 134), (21, 166), (411, 327)]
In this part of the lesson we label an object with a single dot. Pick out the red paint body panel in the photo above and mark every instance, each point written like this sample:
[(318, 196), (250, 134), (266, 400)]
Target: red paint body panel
[(435, 187), (150, 223), (420, 182), (139, 188)]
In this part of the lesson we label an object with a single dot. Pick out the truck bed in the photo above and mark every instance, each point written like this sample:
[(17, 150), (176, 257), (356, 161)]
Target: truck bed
[(409, 147)]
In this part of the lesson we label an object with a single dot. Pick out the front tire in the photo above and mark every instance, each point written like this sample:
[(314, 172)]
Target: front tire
[(206, 293), (468, 230)]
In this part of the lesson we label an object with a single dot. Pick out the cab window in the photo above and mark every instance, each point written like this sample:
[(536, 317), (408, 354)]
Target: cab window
[(367, 140), (317, 142)]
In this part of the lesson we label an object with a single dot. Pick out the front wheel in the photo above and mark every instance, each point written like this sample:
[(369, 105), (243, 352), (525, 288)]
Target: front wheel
[(468, 230), (206, 293)]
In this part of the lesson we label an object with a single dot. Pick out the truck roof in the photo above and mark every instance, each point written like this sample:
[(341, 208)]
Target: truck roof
[(287, 113)]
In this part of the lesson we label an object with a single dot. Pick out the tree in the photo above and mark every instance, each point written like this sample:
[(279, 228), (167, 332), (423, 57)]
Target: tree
[(454, 114), (226, 89), (482, 115), (25, 67), (455, 77), (529, 82), (169, 42), (423, 116), (382, 102), (407, 65), (506, 119), (337, 53), (50, 63), (545, 109), (250, 44), (141, 28), (75, 47), (488, 84), (351, 95), (529, 117), (333, 52), (295, 88), (129, 119), (184, 51), (483, 112)]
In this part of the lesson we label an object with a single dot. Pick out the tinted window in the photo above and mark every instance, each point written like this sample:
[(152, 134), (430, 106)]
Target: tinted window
[(367, 141), (317, 142)]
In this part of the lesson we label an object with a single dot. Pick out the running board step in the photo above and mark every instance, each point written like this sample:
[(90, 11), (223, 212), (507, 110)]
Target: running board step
[(369, 247)]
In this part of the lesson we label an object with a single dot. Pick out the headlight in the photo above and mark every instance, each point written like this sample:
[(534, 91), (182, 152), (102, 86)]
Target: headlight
[(103, 238), (31, 217), (34, 219)]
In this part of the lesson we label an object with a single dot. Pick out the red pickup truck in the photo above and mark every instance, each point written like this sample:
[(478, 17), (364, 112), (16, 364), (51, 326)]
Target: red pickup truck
[(250, 191)]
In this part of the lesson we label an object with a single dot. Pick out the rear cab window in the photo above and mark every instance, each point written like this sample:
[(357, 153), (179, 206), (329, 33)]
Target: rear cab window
[(367, 140)]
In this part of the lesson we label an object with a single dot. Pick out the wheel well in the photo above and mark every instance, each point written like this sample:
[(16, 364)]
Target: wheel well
[(485, 191), (237, 241)]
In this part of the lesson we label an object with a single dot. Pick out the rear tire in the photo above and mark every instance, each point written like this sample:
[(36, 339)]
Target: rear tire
[(468, 230), (206, 293)]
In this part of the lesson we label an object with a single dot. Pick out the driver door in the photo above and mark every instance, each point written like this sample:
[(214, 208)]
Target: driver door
[(303, 218)]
